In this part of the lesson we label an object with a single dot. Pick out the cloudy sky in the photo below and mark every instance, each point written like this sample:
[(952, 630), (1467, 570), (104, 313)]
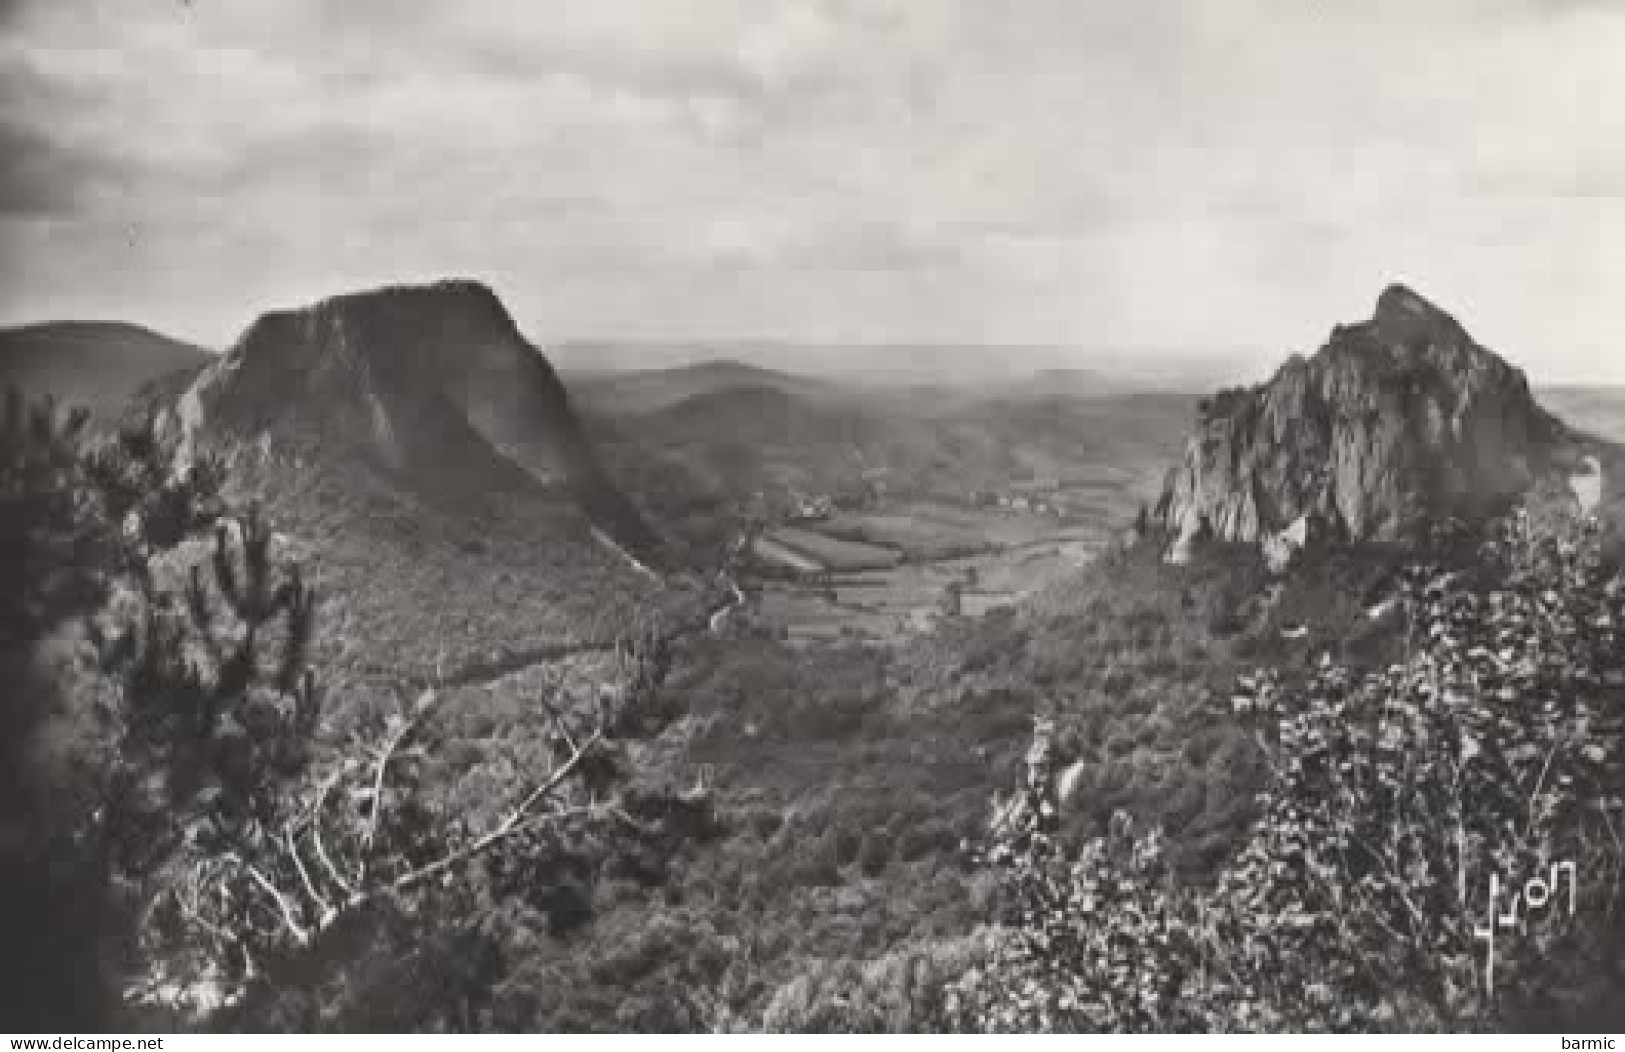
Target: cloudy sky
[(1184, 178)]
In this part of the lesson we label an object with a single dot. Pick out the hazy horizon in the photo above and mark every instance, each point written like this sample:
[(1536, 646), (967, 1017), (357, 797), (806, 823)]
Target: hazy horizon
[(966, 363), (1201, 189)]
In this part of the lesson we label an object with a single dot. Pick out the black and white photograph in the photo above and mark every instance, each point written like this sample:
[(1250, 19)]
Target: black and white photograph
[(812, 516)]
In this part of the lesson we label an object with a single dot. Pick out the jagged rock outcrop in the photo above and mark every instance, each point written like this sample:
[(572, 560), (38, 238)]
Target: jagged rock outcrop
[(1396, 421), (430, 385)]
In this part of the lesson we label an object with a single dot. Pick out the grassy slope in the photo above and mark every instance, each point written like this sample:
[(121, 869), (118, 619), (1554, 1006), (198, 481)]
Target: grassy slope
[(847, 779), (841, 821), (408, 586)]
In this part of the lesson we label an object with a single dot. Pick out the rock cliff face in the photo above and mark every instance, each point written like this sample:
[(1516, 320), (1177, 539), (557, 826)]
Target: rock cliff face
[(1395, 421), (432, 386)]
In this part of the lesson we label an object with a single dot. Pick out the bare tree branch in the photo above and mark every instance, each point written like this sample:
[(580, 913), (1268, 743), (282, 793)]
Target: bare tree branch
[(483, 844), (290, 917), (517, 821), (329, 884), (425, 702), (324, 908), (190, 911), (558, 776), (333, 871)]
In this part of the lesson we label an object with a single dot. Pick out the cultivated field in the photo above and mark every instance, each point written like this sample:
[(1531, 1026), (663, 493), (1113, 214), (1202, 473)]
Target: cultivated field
[(896, 581), (835, 554)]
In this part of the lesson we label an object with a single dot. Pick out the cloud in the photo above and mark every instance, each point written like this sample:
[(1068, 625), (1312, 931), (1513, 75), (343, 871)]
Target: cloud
[(39, 177), (853, 246), (1186, 175)]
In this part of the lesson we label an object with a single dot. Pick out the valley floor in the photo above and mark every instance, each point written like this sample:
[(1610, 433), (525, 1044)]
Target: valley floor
[(889, 573)]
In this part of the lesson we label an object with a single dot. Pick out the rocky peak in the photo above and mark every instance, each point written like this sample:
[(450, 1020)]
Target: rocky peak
[(405, 370), (404, 340), (1394, 421), (431, 383), (1404, 318)]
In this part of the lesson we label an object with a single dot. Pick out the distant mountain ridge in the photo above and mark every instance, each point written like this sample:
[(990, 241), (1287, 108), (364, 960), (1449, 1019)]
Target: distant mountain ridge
[(1598, 408), (899, 364), (1395, 422), (96, 364), (652, 390)]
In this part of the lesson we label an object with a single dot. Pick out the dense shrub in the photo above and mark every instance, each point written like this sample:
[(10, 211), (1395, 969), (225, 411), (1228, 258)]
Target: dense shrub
[(1358, 898), (81, 516)]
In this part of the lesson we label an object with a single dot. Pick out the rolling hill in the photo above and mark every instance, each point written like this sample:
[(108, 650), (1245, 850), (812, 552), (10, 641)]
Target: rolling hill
[(651, 390), (96, 364), (1598, 409), (726, 444)]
